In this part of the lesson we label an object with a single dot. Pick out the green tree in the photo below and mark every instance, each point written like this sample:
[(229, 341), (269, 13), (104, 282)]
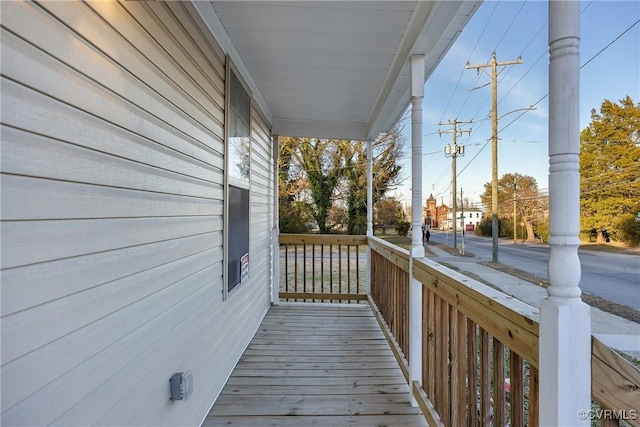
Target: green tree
[(317, 164), (387, 212), (530, 204), (387, 151), (609, 169), (293, 209), (317, 173)]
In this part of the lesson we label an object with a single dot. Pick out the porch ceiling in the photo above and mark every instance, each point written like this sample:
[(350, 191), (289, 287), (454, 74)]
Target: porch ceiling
[(335, 69)]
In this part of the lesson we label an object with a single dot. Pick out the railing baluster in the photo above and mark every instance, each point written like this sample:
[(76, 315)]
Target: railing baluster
[(286, 268), (458, 377), (437, 353), (340, 269), (313, 271), (405, 311), (443, 370), (358, 269), (331, 268), (498, 383), (304, 269), (485, 402), (517, 390), (349, 271), (472, 372), (533, 397), (322, 270), (295, 268)]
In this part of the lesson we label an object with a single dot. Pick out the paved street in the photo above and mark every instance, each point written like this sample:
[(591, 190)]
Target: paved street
[(612, 276)]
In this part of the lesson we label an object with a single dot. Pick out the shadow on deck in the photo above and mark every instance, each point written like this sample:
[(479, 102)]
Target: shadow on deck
[(320, 365)]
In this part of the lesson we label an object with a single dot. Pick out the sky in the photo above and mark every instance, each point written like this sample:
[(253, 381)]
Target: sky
[(512, 29)]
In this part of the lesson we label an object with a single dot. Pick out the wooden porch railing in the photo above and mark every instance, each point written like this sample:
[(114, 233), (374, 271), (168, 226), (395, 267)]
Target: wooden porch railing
[(480, 346), (480, 351), (390, 294), (322, 267)]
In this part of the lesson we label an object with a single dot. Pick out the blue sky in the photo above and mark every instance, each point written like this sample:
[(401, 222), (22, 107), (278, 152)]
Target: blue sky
[(514, 28)]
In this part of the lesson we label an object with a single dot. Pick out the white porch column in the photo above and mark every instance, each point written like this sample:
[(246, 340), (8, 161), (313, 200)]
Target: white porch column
[(369, 187), (369, 208), (417, 249), (275, 233), (565, 321)]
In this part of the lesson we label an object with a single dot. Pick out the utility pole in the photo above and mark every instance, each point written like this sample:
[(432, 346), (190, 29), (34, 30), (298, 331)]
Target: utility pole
[(453, 152), (515, 227), (494, 64), (462, 219)]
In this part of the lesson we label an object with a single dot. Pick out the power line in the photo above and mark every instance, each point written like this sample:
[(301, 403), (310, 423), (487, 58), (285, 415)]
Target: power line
[(469, 58), (542, 55), (510, 24), (610, 43)]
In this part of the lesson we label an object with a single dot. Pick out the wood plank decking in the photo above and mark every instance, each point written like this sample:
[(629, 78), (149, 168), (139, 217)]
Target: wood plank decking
[(320, 365)]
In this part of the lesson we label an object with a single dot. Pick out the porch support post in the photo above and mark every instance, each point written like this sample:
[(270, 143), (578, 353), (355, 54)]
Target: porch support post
[(417, 249), (369, 209), (275, 233), (565, 321)]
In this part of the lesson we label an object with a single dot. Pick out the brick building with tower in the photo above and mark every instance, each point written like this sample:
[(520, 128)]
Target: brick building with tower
[(435, 216)]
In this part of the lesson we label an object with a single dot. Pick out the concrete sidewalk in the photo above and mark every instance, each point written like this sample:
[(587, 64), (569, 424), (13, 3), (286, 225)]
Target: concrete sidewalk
[(615, 331)]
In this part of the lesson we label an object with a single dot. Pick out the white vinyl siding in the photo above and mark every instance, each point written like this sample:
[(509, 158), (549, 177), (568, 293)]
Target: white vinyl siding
[(112, 199)]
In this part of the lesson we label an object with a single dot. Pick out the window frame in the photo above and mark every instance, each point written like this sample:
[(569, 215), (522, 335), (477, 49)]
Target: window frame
[(230, 180)]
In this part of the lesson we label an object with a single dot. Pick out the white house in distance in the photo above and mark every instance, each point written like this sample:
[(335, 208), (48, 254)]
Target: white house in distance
[(471, 217), (139, 187)]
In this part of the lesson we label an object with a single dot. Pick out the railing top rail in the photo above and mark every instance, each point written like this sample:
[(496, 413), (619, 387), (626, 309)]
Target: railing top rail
[(393, 253), (322, 239), (614, 381)]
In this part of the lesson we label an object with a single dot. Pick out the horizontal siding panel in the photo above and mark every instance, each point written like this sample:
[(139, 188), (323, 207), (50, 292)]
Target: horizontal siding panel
[(61, 394), (39, 241), (260, 183), (31, 67), (153, 284), (38, 113), (22, 332), (110, 61), (251, 306), (26, 287), (57, 160), (26, 198), (167, 47), (189, 17), (169, 333)]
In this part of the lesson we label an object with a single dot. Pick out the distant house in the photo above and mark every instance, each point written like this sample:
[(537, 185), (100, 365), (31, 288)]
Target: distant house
[(471, 218)]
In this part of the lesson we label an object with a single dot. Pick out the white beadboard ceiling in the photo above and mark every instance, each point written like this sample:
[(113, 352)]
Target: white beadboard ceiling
[(334, 69)]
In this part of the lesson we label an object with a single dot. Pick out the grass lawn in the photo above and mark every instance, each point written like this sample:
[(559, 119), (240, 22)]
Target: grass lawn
[(402, 241)]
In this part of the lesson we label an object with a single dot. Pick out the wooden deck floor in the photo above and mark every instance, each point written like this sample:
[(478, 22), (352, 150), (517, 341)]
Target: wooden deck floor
[(316, 365)]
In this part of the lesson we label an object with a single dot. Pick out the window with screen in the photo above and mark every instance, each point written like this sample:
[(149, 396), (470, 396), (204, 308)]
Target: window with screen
[(238, 172)]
